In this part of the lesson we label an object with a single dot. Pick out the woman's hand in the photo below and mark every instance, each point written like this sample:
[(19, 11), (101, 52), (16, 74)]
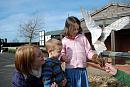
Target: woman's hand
[(110, 69)]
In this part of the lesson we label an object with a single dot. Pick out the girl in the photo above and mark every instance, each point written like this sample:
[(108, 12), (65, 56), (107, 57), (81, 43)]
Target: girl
[(77, 50)]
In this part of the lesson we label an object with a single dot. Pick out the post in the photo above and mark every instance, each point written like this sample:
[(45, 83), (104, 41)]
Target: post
[(113, 45)]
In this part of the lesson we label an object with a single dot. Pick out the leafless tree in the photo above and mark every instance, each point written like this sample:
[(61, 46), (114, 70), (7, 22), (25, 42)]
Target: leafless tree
[(30, 29)]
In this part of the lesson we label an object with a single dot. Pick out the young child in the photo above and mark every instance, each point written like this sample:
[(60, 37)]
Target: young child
[(52, 71), (77, 50), (118, 74)]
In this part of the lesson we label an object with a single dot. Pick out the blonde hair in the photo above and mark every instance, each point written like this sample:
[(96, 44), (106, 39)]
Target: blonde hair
[(71, 25), (24, 58), (53, 44)]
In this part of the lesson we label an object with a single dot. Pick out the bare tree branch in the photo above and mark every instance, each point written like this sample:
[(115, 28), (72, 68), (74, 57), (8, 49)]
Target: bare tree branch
[(30, 29)]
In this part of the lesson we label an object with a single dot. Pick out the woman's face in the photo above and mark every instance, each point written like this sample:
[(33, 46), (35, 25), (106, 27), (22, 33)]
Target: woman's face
[(39, 58)]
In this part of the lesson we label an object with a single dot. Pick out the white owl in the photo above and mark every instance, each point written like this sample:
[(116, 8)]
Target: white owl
[(97, 32)]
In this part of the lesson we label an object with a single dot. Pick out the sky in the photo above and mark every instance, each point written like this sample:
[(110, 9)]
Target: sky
[(52, 12)]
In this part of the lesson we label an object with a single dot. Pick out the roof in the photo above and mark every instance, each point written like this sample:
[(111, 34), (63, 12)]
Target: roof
[(109, 5), (110, 13), (54, 32)]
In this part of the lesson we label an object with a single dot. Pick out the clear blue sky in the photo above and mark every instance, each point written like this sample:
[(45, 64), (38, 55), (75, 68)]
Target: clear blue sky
[(52, 12)]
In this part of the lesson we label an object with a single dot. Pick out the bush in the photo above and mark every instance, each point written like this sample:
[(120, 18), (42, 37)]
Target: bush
[(12, 51)]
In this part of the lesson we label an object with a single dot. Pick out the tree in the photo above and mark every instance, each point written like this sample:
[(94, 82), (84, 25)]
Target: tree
[(30, 29)]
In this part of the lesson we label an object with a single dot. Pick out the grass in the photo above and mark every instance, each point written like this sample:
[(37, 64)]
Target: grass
[(12, 51)]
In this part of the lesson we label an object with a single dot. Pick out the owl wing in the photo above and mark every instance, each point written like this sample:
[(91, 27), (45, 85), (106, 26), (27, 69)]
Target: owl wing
[(117, 25), (92, 27)]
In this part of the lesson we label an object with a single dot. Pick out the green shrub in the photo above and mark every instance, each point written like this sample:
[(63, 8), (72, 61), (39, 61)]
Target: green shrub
[(12, 51)]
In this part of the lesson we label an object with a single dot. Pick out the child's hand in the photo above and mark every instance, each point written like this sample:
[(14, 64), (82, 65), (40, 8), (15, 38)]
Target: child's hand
[(64, 82), (99, 60), (54, 84), (64, 59), (110, 69)]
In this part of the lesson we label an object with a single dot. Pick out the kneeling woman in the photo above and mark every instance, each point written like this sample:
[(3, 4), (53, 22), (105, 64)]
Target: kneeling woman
[(28, 62)]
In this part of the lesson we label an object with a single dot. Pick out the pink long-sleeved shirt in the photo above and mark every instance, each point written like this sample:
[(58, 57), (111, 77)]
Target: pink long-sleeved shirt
[(77, 51)]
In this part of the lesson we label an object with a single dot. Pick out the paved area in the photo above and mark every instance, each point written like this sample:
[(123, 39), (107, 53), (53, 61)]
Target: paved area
[(6, 69)]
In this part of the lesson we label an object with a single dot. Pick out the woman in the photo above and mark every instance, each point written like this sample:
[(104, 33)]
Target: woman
[(28, 62)]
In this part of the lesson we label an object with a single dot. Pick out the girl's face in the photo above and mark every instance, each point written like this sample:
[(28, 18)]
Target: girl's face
[(75, 30), (39, 58)]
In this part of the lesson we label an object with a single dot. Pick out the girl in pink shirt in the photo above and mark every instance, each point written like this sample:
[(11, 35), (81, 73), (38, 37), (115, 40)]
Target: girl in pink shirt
[(77, 50)]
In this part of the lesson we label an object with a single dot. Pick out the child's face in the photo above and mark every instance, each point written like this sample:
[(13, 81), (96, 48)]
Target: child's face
[(75, 30), (56, 53)]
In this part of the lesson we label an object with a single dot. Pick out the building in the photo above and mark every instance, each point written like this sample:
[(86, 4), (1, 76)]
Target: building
[(58, 34), (118, 41)]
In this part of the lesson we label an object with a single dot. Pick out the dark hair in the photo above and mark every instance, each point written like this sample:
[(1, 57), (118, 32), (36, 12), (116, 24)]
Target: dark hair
[(70, 26)]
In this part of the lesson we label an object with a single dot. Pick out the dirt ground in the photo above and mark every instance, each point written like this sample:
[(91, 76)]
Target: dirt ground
[(99, 78)]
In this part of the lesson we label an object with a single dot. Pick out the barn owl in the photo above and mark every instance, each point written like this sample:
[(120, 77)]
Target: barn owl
[(99, 35)]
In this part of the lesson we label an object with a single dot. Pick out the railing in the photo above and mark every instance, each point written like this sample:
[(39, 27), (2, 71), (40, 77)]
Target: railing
[(124, 55), (117, 57)]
